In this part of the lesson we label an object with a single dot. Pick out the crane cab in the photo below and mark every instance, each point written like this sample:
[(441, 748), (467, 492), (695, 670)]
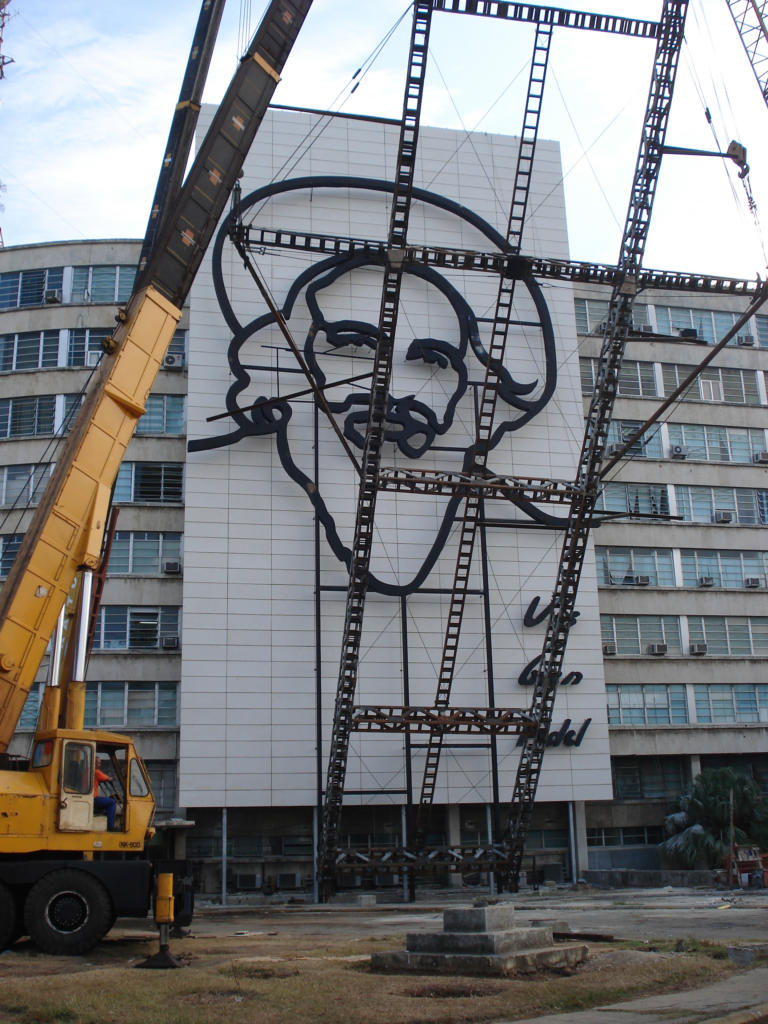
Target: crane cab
[(51, 804)]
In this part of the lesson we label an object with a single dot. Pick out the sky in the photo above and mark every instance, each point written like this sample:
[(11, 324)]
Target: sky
[(86, 105)]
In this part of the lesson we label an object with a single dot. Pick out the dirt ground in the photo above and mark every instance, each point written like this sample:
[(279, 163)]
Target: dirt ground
[(280, 964), (643, 914)]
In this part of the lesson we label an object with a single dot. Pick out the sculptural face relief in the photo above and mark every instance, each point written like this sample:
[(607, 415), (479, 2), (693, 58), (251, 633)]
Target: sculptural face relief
[(331, 306)]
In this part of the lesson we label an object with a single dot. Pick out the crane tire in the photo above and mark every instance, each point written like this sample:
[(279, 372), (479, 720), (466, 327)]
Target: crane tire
[(67, 912), (8, 929)]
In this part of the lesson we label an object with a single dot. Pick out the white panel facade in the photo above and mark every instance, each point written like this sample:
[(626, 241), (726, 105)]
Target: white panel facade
[(271, 507)]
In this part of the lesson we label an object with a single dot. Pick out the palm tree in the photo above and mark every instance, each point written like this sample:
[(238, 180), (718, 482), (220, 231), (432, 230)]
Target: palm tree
[(698, 834)]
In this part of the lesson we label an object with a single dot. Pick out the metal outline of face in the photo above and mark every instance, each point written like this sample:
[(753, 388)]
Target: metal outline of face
[(274, 418)]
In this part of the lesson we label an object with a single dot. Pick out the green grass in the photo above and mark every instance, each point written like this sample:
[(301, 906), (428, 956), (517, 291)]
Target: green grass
[(282, 979)]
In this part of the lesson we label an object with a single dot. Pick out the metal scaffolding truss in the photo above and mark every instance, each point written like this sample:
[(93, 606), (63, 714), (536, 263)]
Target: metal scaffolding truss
[(374, 438), (514, 266), (751, 20), (475, 483), (668, 45), (494, 361)]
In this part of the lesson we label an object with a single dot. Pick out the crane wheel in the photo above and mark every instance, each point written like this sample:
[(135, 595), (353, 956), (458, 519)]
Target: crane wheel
[(8, 930), (67, 912)]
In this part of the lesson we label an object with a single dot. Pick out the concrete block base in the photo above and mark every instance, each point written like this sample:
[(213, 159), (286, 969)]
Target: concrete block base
[(528, 961), (479, 943), (481, 940)]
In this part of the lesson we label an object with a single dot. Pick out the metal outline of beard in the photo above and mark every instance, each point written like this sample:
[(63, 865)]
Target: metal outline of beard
[(407, 418)]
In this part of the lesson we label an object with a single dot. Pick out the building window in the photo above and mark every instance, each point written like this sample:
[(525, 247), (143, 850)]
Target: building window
[(30, 287), (722, 703), (718, 444), (164, 415), (144, 705), (84, 345), (714, 384), (591, 314), (32, 350), (27, 416), (649, 704), (139, 553), (149, 482), (22, 485), (102, 283), (31, 709), (732, 569), (715, 504), (638, 634), (735, 635), (649, 778), (546, 839), (178, 347), (762, 331), (648, 446), (639, 498), (162, 777), (628, 566), (120, 627), (9, 545), (710, 325), (636, 379), (637, 835)]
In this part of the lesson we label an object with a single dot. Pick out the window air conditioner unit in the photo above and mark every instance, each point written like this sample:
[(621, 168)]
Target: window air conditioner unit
[(657, 649), (745, 340), (633, 580), (170, 643), (248, 881), (52, 297), (689, 333), (609, 647), (173, 361), (698, 649), (646, 329), (751, 582), (678, 451), (288, 880), (760, 457), (613, 449), (706, 581), (171, 567), (723, 515), (92, 357)]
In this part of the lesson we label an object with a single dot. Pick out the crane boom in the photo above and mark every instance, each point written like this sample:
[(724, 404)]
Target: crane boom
[(751, 19)]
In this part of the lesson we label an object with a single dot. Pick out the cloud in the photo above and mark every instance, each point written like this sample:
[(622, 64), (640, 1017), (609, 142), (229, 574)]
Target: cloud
[(88, 102)]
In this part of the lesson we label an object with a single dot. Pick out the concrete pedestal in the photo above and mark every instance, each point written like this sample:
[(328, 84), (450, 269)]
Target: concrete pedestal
[(481, 941)]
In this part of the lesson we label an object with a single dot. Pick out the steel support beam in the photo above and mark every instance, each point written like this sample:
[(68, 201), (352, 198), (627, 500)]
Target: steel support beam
[(510, 265), (556, 17), (374, 439), (441, 720), (598, 419), (494, 361), (435, 481)]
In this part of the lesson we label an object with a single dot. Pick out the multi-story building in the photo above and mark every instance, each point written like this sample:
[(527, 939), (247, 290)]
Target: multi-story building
[(683, 602), (247, 531), (57, 303)]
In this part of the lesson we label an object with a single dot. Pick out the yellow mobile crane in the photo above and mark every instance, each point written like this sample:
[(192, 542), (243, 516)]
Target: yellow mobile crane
[(64, 877)]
